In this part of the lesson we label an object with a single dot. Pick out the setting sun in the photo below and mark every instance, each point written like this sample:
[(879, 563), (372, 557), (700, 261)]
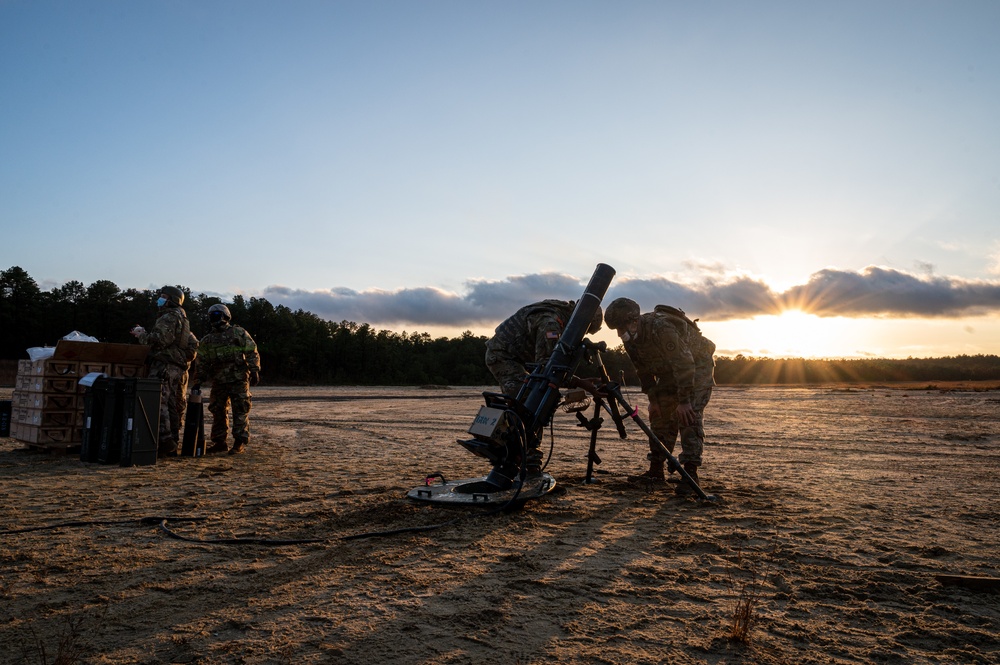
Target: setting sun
[(794, 334)]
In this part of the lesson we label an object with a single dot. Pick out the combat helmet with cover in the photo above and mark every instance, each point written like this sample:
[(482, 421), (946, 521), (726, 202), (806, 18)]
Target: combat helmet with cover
[(620, 312), (566, 309), (219, 315), (173, 294)]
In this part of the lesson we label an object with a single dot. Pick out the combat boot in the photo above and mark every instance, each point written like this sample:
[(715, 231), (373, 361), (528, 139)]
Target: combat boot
[(238, 447), (684, 488), (533, 462), (217, 448), (655, 473)]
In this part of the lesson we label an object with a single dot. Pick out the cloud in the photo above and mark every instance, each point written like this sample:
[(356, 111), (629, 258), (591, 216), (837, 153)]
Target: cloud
[(484, 303), (423, 305), (887, 293), (872, 292), (715, 300)]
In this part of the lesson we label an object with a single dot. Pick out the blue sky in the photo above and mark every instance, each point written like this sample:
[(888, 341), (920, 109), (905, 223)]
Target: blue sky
[(433, 165)]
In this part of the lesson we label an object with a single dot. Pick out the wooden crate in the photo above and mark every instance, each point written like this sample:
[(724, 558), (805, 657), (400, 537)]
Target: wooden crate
[(127, 371), (48, 418), (91, 367), (57, 367), (60, 386), (47, 435), (28, 383)]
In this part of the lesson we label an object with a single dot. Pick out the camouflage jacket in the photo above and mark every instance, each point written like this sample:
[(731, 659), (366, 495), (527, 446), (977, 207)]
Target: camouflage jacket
[(671, 354), (531, 333), (170, 339), (227, 355)]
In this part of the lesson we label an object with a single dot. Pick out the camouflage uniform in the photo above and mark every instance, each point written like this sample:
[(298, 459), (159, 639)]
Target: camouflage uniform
[(528, 336), (170, 352), (227, 356), (675, 365)]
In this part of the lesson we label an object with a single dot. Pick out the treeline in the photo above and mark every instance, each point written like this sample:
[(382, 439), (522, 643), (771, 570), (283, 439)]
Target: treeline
[(750, 370), (298, 347)]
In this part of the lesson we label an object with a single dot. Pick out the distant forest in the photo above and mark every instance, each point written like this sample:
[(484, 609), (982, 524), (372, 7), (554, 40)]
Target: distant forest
[(298, 347)]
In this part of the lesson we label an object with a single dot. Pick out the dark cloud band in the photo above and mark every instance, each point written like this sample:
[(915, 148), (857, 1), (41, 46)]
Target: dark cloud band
[(872, 292)]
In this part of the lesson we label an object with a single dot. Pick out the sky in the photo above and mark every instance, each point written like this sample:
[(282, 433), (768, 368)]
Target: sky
[(817, 179)]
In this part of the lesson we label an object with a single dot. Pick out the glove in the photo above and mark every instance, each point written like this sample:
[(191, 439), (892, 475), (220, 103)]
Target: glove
[(254, 378), (138, 330)]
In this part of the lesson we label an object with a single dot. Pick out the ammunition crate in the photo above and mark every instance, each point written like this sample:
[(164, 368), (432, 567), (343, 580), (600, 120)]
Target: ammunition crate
[(67, 368), (89, 368), (49, 401), (28, 383), (44, 418), (61, 386), (127, 371), (48, 367), (46, 435), (22, 399), (25, 400), (47, 408)]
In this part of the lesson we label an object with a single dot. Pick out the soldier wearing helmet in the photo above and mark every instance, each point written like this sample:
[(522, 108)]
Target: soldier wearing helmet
[(172, 349), (528, 337), (228, 358), (676, 370)]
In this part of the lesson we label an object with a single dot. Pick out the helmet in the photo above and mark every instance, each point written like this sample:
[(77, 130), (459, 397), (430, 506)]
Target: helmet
[(173, 294), (219, 314), (620, 312), (595, 323)]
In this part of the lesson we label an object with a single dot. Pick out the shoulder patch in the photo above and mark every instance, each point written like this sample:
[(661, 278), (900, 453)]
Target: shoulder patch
[(551, 334)]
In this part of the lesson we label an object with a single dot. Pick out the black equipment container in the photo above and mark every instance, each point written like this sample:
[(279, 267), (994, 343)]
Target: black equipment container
[(94, 399), (140, 421), (6, 409), (123, 422), (109, 447)]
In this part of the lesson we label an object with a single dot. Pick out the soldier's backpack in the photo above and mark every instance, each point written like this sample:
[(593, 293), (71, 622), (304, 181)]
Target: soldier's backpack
[(701, 347)]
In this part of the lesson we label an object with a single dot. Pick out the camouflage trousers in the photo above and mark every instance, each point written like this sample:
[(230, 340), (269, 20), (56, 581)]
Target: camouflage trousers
[(173, 402), (224, 395), (666, 425), (509, 372)]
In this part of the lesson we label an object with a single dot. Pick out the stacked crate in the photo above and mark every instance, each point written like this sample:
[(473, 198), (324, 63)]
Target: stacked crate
[(48, 404)]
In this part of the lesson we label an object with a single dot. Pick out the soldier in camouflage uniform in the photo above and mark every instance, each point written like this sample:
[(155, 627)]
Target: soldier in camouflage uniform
[(172, 346), (228, 358), (676, 370), (527, 337)]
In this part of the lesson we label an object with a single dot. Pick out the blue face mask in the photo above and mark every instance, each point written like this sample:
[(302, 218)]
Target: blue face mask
[(161, 302)]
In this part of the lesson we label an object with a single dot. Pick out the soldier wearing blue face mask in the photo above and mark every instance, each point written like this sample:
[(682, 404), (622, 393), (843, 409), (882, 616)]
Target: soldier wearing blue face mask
[(172, 347)]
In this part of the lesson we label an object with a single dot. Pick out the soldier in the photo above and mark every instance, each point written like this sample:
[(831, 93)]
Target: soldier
[(529, 336), (172, 347), (228, 358), (676, 371)]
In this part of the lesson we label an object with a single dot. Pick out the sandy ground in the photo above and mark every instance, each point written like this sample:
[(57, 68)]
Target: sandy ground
[(838, 508)]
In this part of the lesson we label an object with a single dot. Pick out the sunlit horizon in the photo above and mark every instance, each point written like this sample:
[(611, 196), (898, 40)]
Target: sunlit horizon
[(796, 334)]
